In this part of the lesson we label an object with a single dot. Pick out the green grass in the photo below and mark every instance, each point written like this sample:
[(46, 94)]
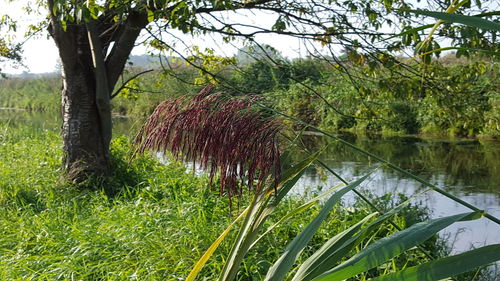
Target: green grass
[(145, 222)]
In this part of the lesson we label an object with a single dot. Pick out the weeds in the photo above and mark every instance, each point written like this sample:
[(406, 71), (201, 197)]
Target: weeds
[(147, 222)]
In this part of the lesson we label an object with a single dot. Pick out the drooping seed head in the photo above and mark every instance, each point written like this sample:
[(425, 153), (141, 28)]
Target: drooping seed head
[(224, 135)]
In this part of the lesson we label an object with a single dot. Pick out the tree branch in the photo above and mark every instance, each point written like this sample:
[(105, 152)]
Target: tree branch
[(239, 5), (118, 56), (124, 84), (101, 78)]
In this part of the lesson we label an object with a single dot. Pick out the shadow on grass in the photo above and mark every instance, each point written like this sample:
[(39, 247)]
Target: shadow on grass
[(127, 177)]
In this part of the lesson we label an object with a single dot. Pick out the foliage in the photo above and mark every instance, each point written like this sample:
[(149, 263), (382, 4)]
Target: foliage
[(153, 88), (147, 221), (41, 94), (259, 77), (453, 99), (147, 91), (264, 76), (10, 52), (256, 52), (210, 65), (223, 135)]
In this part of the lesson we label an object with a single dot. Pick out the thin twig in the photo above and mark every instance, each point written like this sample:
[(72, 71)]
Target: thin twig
[(124, 84)]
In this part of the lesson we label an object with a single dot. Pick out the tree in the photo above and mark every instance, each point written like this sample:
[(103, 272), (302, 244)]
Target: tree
[(9, 52), (95, 39), (254, 52)]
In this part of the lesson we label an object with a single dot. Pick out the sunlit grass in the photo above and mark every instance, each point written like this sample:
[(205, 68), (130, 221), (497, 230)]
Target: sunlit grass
[(146, 222)]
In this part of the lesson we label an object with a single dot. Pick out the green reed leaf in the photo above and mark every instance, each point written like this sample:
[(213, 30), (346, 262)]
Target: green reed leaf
[(447, 267), (281, 267), (391, 246)]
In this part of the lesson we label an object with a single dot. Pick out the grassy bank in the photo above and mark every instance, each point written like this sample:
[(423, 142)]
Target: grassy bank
[(146, 222), (443, 99)]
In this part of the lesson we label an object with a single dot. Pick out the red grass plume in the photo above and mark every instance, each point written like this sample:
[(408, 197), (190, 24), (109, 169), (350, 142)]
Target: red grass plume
[(225, 135)]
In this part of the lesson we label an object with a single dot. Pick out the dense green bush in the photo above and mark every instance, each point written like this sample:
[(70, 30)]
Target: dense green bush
[(456, 100)]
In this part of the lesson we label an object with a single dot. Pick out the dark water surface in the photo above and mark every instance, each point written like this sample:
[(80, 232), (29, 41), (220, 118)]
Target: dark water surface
[(468, 169)]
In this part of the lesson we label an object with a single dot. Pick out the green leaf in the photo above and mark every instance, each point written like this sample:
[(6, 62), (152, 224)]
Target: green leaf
[(294, 212), (206, 256), (289, 177), (410, 31), (281, 267), (279, 25), (151, 16), (389, 247), (259, 210), (447, 267), (85, 13), (339, 246), (467, 20), (314, 263)]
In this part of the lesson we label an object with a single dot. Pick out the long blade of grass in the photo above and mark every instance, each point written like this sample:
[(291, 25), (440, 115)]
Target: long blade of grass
[(293, 171), (329, 258), (206, 256), (391, 246), (296, 171), (295, 212), (340, 245), (447, 267), (258, 213), (284, 187), (467, 20), (306, 270), (236, 255), (281, 267)]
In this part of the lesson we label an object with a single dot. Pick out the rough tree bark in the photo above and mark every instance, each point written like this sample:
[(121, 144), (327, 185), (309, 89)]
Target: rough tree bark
[(89, 76)]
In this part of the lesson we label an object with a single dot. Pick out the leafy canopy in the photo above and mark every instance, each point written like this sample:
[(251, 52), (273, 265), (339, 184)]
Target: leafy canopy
[(363, 27)]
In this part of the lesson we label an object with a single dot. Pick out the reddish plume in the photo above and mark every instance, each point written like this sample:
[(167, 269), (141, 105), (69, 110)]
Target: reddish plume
[(225, 135)]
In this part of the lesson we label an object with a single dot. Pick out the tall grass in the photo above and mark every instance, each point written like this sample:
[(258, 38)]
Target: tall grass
[(226, 136), (148, 221), (166, 129)]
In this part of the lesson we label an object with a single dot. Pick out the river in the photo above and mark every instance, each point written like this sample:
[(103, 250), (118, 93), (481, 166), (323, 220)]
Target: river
[(468, 169)]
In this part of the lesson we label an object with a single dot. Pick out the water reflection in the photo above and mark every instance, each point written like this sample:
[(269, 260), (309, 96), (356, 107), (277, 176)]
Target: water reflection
[(39, 121), (468, 169)]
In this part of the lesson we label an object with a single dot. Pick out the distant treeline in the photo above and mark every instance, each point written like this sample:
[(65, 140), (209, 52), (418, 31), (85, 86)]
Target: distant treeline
[(446, 97)]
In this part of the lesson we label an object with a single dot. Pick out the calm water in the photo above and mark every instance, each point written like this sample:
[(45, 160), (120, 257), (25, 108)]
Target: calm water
[(469, 169)]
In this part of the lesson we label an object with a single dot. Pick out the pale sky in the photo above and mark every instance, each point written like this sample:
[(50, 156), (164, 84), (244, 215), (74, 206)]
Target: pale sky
[(40, 54)]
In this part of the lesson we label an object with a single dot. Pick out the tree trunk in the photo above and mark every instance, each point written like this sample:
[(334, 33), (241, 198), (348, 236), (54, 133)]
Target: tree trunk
[(85, 138), (89, 77), (86, 148)]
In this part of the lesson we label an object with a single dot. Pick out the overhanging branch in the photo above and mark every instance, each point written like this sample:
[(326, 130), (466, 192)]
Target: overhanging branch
[(124, 84)]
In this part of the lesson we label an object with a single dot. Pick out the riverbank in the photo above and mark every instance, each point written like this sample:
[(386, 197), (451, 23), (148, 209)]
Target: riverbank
[(33, 114), (457, 100), (147, 221)]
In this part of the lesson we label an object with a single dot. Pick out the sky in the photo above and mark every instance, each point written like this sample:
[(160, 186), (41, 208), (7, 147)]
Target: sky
[(40, 53)]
